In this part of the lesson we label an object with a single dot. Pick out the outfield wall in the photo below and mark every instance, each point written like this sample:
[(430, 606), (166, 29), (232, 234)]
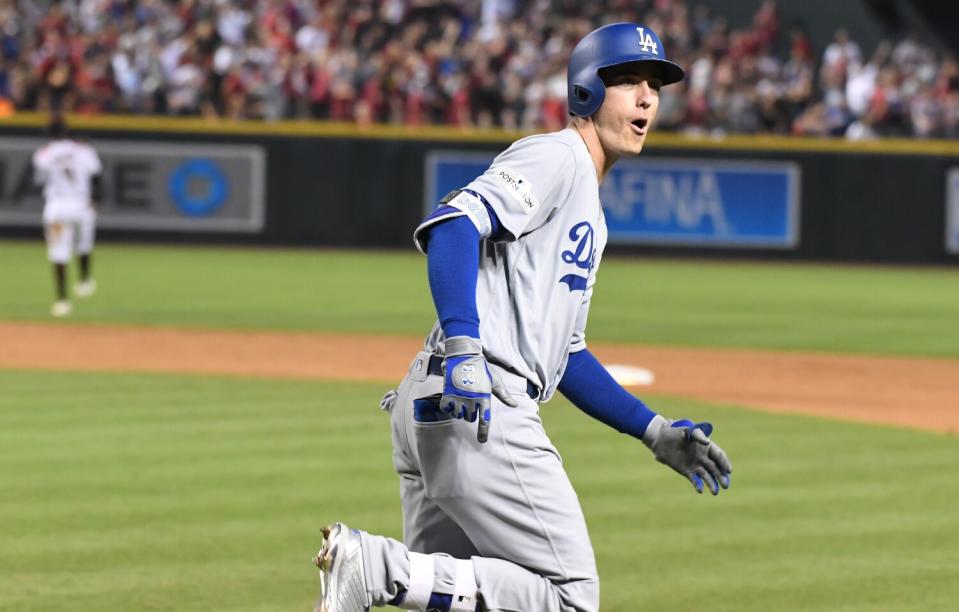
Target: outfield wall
[(339, 185)]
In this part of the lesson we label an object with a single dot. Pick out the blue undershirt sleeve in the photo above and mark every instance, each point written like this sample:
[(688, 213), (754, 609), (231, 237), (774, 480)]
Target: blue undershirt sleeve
[(591, 388), (452, 259)]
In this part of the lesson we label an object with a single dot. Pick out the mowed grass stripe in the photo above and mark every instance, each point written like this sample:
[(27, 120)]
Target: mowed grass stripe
[(777, 305), (255, 288), (200, 478), (822, 515), (212, 500), (909, 311)]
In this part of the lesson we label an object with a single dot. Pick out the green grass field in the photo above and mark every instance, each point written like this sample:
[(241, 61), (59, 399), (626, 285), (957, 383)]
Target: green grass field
[(911, 311), (160, 492)]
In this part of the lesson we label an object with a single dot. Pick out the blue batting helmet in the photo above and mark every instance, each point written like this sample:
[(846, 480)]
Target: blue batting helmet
[(612, 45)]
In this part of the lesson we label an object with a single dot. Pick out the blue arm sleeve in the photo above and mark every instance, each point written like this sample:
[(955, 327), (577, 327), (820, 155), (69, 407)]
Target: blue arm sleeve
[(452, 260), (593, 390)]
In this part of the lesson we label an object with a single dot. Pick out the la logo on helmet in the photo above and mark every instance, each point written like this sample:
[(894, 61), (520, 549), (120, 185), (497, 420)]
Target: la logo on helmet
[(646, 42)]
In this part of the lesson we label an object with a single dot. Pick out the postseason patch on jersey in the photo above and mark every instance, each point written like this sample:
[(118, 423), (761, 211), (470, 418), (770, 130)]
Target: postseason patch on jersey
[(475, 210), (518, 187)]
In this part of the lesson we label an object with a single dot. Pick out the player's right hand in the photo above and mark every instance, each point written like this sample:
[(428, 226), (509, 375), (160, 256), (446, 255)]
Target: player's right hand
[(469, 385), (685, 446)]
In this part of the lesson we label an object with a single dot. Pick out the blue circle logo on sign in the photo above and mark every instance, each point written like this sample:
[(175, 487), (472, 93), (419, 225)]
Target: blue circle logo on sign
[(198, 187)]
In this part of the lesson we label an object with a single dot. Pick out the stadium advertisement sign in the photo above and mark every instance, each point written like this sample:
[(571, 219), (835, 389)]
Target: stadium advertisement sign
[(149, 186), (952, 211), (682, 202)]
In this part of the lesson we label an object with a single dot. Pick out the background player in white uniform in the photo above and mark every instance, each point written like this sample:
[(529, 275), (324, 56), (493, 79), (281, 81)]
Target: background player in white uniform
[(69, 172), (491, 521)]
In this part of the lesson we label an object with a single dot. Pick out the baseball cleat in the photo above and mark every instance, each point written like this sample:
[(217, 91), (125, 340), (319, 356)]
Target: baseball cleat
[(85, 288), (342, 574), (61, 308)]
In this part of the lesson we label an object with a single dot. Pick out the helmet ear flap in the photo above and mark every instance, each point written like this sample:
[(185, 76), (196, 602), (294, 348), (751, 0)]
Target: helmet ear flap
[(585, 94)]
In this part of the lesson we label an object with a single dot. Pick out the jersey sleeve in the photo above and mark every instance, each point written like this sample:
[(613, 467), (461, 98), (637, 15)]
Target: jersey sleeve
[(93, 161), (455, 204), (526, 183), (39, 167)]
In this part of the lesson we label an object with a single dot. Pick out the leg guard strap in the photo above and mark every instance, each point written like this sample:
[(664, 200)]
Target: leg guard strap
[(421, 582), (464, 589)]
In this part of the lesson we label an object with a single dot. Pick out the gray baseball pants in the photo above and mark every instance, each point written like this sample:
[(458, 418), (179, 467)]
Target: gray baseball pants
[(506, 505)]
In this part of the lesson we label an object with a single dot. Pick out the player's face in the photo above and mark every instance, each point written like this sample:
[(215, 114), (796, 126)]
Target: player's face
[(628, 110)]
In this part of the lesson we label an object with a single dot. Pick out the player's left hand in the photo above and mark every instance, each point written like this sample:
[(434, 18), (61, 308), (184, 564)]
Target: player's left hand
[(469, 385), (685, 446)]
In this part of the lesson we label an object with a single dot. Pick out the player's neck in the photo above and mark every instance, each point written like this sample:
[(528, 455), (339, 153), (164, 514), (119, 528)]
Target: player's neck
[(602, 159)]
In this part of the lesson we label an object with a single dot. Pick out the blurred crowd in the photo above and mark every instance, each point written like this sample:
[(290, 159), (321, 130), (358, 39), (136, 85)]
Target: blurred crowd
[(458, 62)]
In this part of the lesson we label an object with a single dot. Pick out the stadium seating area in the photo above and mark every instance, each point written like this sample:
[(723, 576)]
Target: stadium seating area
[(464, 63)]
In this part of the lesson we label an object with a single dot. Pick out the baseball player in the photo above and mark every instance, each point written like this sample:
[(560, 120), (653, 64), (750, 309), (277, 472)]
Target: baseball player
[(69, 172), (491, 521)]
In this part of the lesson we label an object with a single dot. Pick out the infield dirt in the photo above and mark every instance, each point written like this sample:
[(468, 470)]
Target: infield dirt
[(911, 392)]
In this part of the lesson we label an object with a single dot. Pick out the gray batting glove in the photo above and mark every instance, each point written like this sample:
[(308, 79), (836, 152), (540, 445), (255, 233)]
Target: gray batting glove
[(469, 385), (685, 446)]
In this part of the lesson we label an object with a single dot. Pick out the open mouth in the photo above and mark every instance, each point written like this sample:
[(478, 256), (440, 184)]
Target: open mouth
[(639, 125)]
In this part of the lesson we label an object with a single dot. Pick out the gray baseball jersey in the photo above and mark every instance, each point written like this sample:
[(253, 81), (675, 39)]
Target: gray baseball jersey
[(504, 510), (534, 285)]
